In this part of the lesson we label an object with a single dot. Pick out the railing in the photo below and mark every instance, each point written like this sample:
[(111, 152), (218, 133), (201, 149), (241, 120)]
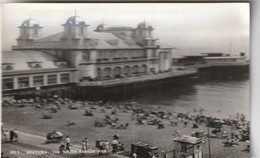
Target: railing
[(102, 60), (228, 64), (137, 78), (123, 59), (120, 59), (138, 58), (203, 65)]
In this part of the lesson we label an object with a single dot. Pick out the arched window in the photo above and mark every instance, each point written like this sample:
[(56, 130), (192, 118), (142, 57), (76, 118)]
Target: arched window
[(135, 69), (8, 67), (63, 65), (143, 69), (99, 73), (37, 66), (126, 70), (117, 72), (107, 72), (34, 65)]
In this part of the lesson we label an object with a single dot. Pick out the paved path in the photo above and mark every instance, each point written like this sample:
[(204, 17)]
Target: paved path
[(32, 146)]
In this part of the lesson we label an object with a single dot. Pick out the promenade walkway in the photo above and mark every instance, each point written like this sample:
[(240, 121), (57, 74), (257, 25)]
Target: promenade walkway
[(33, 146)]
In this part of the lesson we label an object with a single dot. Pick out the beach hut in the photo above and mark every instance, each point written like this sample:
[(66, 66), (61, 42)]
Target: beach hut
[(187, 147), (143, 150)]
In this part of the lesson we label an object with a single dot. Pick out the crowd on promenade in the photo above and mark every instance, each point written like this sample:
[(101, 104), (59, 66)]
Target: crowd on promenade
[(104, 147)]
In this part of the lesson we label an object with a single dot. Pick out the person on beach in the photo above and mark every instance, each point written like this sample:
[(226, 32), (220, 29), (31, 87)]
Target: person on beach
[(83, 147), (154, 156), (11, 135), (106, 146), (6, 136), (61, 148), (86, 143), (114, 144), (150, 155), (163, 154), (67, 140), (185, 124), (15, 135), (120, 146), (101, 148), (116, 136)]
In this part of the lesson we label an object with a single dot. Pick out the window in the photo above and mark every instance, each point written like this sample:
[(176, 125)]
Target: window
[(183, 148), (8, 83), (52, 79), (142, 53), (36, 31), (34, 65), (65, 78), (61, 63), (153, 53), (37, 66), (86, 55), (37, 80), (23, 82), (8, 67)]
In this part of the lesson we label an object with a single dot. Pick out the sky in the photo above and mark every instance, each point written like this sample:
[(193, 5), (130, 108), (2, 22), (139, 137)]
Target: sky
[(188, 27)]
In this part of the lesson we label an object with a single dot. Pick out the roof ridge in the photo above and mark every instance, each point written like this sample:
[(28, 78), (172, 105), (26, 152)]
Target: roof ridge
[(50, 36)]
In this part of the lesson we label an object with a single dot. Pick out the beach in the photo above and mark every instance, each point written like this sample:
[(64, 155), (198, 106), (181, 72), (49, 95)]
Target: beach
[(29, 119)]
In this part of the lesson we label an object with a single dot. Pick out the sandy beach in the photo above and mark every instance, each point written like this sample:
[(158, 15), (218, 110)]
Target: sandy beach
[(29, 119)]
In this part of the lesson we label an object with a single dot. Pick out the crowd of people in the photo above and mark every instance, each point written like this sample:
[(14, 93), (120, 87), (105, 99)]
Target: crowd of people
[(140, 116), (103, 146)]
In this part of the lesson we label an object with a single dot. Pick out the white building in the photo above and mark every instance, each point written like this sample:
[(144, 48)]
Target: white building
[(78, 54)]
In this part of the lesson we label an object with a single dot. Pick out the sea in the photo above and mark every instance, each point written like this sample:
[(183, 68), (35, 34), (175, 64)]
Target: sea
[(218, 94)]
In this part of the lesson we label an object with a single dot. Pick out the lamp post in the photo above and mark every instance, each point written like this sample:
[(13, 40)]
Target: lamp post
[(209, 138)]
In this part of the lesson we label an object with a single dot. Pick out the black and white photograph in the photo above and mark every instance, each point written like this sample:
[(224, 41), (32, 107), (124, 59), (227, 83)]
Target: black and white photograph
[(125, 80)]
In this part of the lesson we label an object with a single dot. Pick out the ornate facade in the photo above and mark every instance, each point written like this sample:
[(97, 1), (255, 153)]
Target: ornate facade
[(102, 54)]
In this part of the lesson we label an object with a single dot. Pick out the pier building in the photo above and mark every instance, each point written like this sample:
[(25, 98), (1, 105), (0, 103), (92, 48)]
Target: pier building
[(81, 56)]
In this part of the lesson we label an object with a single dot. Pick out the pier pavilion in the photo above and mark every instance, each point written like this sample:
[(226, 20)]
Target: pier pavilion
[(78, 55)]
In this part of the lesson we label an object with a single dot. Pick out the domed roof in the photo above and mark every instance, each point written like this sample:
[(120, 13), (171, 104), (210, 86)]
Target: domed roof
[(144, 25), (75, 20), (30, 23)]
